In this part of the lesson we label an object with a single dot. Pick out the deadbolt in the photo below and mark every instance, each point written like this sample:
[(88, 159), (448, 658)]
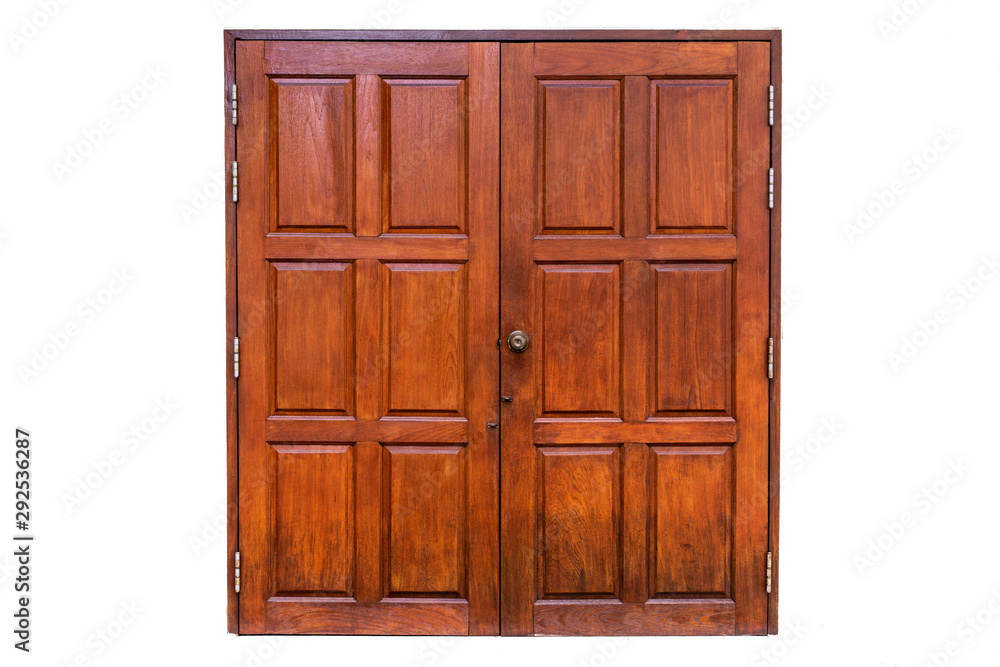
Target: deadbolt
[(518, 341)]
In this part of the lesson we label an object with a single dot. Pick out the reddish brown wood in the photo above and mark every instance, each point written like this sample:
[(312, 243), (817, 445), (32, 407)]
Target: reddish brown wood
[(691, 334), (692, 185), (517, 302), (691, 500), (368, 337), (605, 35), (751, 301), (315, 154), (397, 616), (775, 323), (635, 58), (662, 617), (594, 430)]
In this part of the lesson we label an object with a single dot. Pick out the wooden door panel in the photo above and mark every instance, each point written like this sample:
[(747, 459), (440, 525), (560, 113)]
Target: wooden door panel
[(634, 486), (314, 520), (425, 309), (580, 346), (368, 476), (580, 160), (692, 517), (313, 337), (580, 506), (424, 153), (313, 154), (692, 155), (426, 520), (693, 339), (634, 58)]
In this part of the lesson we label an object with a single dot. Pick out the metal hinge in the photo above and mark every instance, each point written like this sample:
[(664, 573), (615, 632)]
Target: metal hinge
[(238, 572), (770, 358), (770, 186), (236, 357), (768, 571), (770, 105), (236, 183), (234, 103)]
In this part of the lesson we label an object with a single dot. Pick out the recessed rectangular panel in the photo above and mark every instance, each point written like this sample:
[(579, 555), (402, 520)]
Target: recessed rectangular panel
[(425, 306), (425, 519), (691, 500), (425, 153), (579, 500), (580, 338), (692, 155), (313, 305), (313, 140), (314, 520), (580, 156), (693, 339)]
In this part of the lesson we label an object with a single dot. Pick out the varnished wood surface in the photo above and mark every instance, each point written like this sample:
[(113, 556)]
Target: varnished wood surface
[(632, 244), (368, 342), (656, 618), (600, 35), (647, 308)]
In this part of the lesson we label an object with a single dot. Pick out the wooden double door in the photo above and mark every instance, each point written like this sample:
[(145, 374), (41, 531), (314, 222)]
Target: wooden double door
[(402, 209)]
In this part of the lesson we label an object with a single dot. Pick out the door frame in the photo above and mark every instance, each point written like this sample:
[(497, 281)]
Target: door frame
[(230, 38)]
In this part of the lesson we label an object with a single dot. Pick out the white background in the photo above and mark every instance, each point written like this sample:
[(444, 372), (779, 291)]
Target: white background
[(862, 436)]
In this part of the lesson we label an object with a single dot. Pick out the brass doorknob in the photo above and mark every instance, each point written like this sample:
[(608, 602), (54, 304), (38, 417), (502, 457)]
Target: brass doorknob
[(518, 341)]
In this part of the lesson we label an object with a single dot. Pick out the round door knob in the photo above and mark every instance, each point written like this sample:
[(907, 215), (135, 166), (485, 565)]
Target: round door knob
[(518, 341)]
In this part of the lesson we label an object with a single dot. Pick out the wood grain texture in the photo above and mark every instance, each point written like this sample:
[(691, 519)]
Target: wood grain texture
[(665, 430), (474, 247), (304, 616), (314, 337), (694, 324), (387, 248), (314, 520), (692, 167), (664, 617), (634, 58), (691, 504), (425, 332), (256, 535), (313, 154), (484, 323), (424, 155), (580, 170), (425, 520), (579, 516), (346, 429), (662, 248), (679, 327), (384, 344), (579, 337), (751, 301), (517, 298), (400, 59), (599, 35)]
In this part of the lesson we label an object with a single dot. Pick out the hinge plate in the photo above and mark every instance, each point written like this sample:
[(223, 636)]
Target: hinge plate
[(234, 104), (770, 187), (236, 183), (236, 357), (237, 586), (770, 105), (770, 358), (768, 571)]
